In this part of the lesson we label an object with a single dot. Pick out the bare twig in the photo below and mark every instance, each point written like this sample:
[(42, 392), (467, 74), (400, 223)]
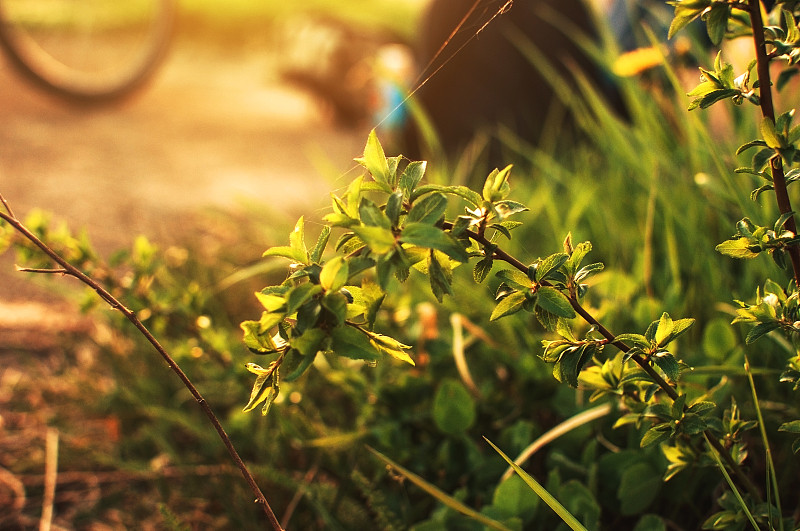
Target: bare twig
[(71, 270), (50, 477), (460, 358)]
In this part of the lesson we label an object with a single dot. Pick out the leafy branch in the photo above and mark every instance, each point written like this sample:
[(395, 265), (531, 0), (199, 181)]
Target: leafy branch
[(329, 307), (66, 268)]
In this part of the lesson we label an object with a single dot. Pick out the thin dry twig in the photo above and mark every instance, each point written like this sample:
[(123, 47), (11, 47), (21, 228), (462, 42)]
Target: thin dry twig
[(460, 358), (131, 316), (50, 479)]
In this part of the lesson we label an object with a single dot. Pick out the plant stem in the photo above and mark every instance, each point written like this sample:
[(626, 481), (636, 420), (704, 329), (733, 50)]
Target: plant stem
[(768, 111), (71, 270)]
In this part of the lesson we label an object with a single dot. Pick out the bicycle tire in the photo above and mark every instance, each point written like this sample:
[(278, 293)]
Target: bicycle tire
[(41, 40)]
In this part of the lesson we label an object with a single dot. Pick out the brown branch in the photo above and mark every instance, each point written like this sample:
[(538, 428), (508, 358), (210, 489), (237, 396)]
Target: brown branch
[(768, 111), (71, 270)]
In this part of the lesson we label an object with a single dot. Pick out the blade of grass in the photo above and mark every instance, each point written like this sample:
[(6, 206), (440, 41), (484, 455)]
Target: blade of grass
[(540, 491), (736, 492), (440, 495), (772, 481)]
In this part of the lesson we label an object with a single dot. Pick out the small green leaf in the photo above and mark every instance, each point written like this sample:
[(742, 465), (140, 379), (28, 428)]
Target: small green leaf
[(334, 274), (256, 341), (717, 21), (550, 264), (769, 133), (428, 210), (352, 343), (374, 160), (761, 329), (791, 427), (411, 177), (555, 302), (394, 207), (264, 388), (380, 240), (496, 187), (309, 342), (461, 191), (515, 278), (424, 235), (664, 329), (440, 277), (287, 252), (322, 242), (482, 269), (669, 365), (508, 305), (391, 346), (656, 434), (738, 248), (371, 215), (454, 409), (299, 295)]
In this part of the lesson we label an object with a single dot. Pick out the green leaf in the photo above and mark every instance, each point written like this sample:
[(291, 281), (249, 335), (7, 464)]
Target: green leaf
[(513, 497), (461, 191), (255, 340), (380, 240), (424, 235), (394, 207), (309, 342), (639, 487), (540, 491), (791, 427), (555, 302), (440, 277), (336, 304), (669, 365), (515, 278), (453, 408), (507, 208), (508, 305), (411, 177), (297, 238), (769, 133), (391, 346), (685, 12), (761, 329), (550, 264), (482, 269), (371, 215), (299, 295), (717, 21), (352, 343), (298, 365), (738, 248), (334, 274), (264, 388), (664, 329), (287, 252), (428, 210), (271, 303), (322, 242), (656, 434), (374, 160), (496, 187)]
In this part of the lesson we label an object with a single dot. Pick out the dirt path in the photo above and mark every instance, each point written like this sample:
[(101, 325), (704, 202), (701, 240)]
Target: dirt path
[(213, 128)]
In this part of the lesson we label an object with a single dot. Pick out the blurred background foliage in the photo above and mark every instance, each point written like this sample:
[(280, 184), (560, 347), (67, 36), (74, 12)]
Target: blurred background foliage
[(654, 194)]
